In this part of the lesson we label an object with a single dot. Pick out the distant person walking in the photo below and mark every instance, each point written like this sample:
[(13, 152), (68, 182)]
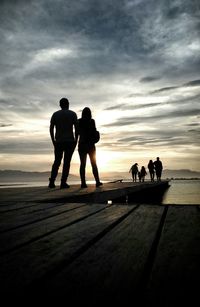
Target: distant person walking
[(134, 171), (64, 136), (151, 170), (143, 173), (86, 146), (158, 168), (139, 176)]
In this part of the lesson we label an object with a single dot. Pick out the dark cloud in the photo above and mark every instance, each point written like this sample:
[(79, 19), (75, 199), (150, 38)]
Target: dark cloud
[(195, 131), (3, 102), (5, 125), (193, 125), (164, 89), (132, 106), (170, 88), (192, 83), (149, 79), (117, 107)]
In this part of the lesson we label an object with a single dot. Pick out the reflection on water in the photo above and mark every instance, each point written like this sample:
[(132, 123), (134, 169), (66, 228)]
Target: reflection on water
[(35, 184), (179, 192), (23, 184), (186, 192)]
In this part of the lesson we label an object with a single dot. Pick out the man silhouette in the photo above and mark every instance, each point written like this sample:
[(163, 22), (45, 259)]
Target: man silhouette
[(64, 136), (158, 168)]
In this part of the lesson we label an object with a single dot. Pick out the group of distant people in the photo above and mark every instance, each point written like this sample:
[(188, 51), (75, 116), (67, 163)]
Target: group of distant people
[(155, 168), (66, 130)]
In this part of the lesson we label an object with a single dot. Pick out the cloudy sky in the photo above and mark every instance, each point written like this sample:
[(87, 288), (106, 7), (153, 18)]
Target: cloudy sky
[(135, 63)]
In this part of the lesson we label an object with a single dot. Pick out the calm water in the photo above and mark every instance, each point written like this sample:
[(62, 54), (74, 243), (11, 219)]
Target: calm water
[(179, 192), (183, 192)]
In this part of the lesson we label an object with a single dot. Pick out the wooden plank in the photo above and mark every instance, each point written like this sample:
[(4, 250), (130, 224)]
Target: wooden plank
[(21, 193), (38, 227), (175, 277), (36, 259), (111, 269), (9, 206), (13, 219)]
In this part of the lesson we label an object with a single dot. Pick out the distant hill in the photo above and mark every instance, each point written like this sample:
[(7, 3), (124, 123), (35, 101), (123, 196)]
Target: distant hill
[(17, 175), (181, 173)]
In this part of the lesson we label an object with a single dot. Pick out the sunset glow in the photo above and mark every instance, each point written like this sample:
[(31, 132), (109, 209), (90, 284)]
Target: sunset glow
[(139, 75)]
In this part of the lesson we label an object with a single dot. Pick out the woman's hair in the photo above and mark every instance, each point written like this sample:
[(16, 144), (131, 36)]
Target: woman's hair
[(86, 113)]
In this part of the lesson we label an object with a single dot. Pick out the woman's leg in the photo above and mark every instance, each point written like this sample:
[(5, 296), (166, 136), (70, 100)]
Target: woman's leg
[(83, 160), (92, 155)]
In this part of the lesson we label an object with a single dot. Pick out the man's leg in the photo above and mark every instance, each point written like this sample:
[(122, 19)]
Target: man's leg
[(58, 153), (68, 152)]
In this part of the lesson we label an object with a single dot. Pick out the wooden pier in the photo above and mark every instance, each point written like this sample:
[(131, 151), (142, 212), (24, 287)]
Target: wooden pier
[(117, 191), (55, 246)]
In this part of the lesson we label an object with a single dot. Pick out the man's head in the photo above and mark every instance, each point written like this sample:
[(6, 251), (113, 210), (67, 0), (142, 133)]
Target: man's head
[(64, 103)]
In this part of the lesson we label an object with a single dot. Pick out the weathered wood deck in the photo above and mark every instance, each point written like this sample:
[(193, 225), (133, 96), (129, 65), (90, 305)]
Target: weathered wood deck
[(139, 254), (117, 191)]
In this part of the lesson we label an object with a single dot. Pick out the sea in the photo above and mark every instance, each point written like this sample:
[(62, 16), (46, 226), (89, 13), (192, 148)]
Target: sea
[(183, 192), (180, 191)]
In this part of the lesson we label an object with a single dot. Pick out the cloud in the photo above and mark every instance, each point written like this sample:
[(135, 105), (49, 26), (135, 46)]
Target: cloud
[(170, 88), (169, 115), (193, 125), (26, 147), (132, 106), (192, 83), (164, 89), (175, 98), (149, 79), (5, 125), (96, 53)]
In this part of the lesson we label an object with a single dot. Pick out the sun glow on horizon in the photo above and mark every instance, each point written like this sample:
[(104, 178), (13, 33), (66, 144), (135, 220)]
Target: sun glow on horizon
[(106, 160)]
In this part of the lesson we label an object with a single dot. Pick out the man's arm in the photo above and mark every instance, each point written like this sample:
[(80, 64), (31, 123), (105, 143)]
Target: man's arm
[(51, 130), (76, 130)]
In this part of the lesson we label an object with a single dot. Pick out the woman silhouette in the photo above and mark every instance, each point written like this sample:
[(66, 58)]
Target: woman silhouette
[(86, 146), (134, 171), (151, 169)]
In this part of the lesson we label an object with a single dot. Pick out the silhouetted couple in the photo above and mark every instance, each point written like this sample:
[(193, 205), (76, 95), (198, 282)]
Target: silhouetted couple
[(66, 130), (155, 167), (158, 168)]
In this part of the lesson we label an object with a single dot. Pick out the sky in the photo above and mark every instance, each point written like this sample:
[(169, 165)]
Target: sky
[(134, 63)]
